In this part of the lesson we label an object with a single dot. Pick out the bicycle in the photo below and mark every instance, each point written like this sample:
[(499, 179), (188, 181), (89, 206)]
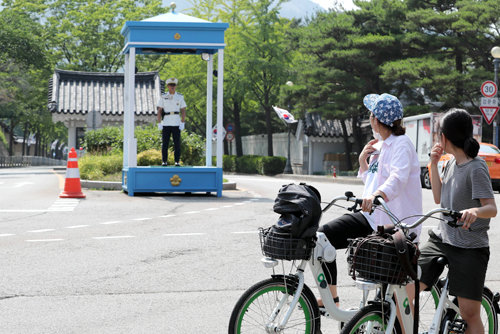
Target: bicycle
[(381, 315), (284, 303)]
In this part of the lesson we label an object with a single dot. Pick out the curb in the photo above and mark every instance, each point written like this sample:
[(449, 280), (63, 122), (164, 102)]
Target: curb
[(322, 178)]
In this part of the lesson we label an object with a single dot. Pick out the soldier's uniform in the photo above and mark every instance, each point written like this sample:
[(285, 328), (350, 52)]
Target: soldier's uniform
[(172, 105)]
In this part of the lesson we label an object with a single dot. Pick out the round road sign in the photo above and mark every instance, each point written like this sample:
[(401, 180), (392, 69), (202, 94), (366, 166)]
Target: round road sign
[(489, 89), (230, 136)]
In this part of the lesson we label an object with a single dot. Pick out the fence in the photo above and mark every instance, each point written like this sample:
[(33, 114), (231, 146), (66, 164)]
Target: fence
[(25, 161)]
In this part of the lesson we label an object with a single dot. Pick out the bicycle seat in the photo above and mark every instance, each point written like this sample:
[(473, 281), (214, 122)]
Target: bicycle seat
[(442, 260)]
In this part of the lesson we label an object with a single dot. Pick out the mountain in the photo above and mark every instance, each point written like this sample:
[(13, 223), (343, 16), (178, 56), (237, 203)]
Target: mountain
[(292, 9)]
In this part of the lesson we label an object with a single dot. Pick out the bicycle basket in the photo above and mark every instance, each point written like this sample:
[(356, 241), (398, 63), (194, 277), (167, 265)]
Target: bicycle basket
[(282, 246), (374, 258)]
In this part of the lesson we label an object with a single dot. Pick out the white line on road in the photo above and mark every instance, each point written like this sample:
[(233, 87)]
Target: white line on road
[(167, 216), (76, 226), (114, 237), (112, 222), (211, 209), (6, 235), (182, 234), (239, 204), (44, 240), (42, 230), (139, 219), (227, 206), (191, 212)]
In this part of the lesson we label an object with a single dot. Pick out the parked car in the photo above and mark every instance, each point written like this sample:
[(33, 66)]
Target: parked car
[(488, 152)]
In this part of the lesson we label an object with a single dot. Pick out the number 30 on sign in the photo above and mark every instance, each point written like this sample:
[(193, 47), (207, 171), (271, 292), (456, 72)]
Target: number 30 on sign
[(488, 89)]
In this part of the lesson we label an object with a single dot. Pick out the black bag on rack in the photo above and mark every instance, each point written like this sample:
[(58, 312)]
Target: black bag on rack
[(300, 209)]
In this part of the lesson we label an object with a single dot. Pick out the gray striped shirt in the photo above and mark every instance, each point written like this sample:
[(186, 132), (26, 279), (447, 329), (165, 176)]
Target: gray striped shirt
[(463, 186)]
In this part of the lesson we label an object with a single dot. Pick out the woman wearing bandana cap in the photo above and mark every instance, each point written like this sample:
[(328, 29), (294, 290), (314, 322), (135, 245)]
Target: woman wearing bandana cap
[(393, 172)]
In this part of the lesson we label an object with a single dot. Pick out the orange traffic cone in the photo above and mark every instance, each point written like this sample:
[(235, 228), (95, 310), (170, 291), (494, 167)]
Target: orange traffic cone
[(72, 186), (334, 171)]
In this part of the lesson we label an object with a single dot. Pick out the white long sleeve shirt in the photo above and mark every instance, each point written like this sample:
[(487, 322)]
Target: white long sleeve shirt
[(398, 177)]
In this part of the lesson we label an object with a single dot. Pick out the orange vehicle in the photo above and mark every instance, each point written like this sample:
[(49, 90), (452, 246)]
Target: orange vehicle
[(488, 152)]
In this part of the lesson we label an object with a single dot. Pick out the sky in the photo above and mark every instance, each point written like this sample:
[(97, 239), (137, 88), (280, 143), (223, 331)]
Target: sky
[(331, 3)]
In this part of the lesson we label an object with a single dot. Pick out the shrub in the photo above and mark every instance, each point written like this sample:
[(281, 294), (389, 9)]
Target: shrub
[(229, 163), (150, 158), (95, 167), (248, 164), (103, 140), (273, 165)]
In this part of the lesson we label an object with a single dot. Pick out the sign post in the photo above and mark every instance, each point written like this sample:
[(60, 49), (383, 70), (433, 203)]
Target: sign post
[(489, 106)]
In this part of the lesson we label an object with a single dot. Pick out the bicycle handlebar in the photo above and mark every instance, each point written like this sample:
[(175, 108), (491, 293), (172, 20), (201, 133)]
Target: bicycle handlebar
[(379, 201)]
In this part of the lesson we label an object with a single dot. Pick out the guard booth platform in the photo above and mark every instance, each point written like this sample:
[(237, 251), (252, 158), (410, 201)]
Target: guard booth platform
[(173, 33), (172, 179)]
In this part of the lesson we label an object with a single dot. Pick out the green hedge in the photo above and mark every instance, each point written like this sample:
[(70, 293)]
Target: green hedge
[(253, 164)]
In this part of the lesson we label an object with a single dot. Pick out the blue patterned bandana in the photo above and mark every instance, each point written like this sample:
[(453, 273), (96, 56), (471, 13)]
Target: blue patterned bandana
[(386, 108)]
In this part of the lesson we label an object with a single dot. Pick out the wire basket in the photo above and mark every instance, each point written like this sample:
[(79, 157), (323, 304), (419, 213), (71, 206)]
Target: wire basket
[(375, 259), (281, 246)]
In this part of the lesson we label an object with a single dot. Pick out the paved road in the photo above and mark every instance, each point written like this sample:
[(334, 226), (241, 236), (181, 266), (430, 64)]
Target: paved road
[(111, 263)]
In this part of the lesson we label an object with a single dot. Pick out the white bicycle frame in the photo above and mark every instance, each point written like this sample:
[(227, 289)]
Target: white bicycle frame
[(322, 250), (406, 318)]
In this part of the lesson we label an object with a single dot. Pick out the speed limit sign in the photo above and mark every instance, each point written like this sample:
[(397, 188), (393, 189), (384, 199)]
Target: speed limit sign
[(489, 89)]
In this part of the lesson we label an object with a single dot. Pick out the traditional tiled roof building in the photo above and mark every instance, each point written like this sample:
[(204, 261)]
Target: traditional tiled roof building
[(96, 99)]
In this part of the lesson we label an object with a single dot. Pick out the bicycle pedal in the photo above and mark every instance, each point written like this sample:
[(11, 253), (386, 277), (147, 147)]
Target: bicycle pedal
[(324, 312), (458, 326)]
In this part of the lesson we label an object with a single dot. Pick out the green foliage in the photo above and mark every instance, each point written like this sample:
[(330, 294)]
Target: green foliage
[(103, 140), (273, 165), (151, 157), (253, 164), (99, 167)]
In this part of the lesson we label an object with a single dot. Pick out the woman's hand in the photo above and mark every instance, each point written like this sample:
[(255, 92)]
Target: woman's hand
[(469, 216), (367, 203), (436, 153), (367, 150)]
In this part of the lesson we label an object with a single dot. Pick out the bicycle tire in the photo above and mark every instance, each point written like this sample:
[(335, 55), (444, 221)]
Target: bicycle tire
[(489, 314), (370, 319), (256, 305)]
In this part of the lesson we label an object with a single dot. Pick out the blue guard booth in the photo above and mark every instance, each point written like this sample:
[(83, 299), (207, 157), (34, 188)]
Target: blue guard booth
[(173, 33)]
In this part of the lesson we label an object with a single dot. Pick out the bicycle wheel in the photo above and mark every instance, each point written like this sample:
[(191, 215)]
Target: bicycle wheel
[(489, 315), (370, 319), (258, 311)]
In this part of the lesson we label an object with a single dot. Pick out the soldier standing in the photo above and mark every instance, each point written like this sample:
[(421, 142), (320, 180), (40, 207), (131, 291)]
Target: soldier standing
[(171, 117)]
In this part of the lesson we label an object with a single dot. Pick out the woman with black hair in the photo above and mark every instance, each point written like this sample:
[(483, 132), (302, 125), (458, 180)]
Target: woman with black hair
[(465, 187)]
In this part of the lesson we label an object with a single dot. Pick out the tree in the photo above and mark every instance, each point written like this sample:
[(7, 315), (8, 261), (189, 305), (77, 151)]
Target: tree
[(85, 35)]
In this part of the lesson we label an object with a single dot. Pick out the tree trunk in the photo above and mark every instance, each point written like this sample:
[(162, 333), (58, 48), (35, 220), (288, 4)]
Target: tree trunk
[(237, 127), (269, 132), (347, 144)]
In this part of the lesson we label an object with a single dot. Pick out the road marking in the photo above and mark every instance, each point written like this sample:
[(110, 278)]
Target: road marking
[(227, 206), (23, 211), (44, 240), (239, 204), (245, 232), (21, 184), (211, 209), (115, 237), (6, 235), (139, 219), (182, 234), (42, 230), (191, 212), (167, 216), (76, 226), (64, 204), (112, 222)]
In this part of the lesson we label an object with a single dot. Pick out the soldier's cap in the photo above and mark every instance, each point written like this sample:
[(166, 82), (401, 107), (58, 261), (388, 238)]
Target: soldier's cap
[(386, 108), (171, 81)]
